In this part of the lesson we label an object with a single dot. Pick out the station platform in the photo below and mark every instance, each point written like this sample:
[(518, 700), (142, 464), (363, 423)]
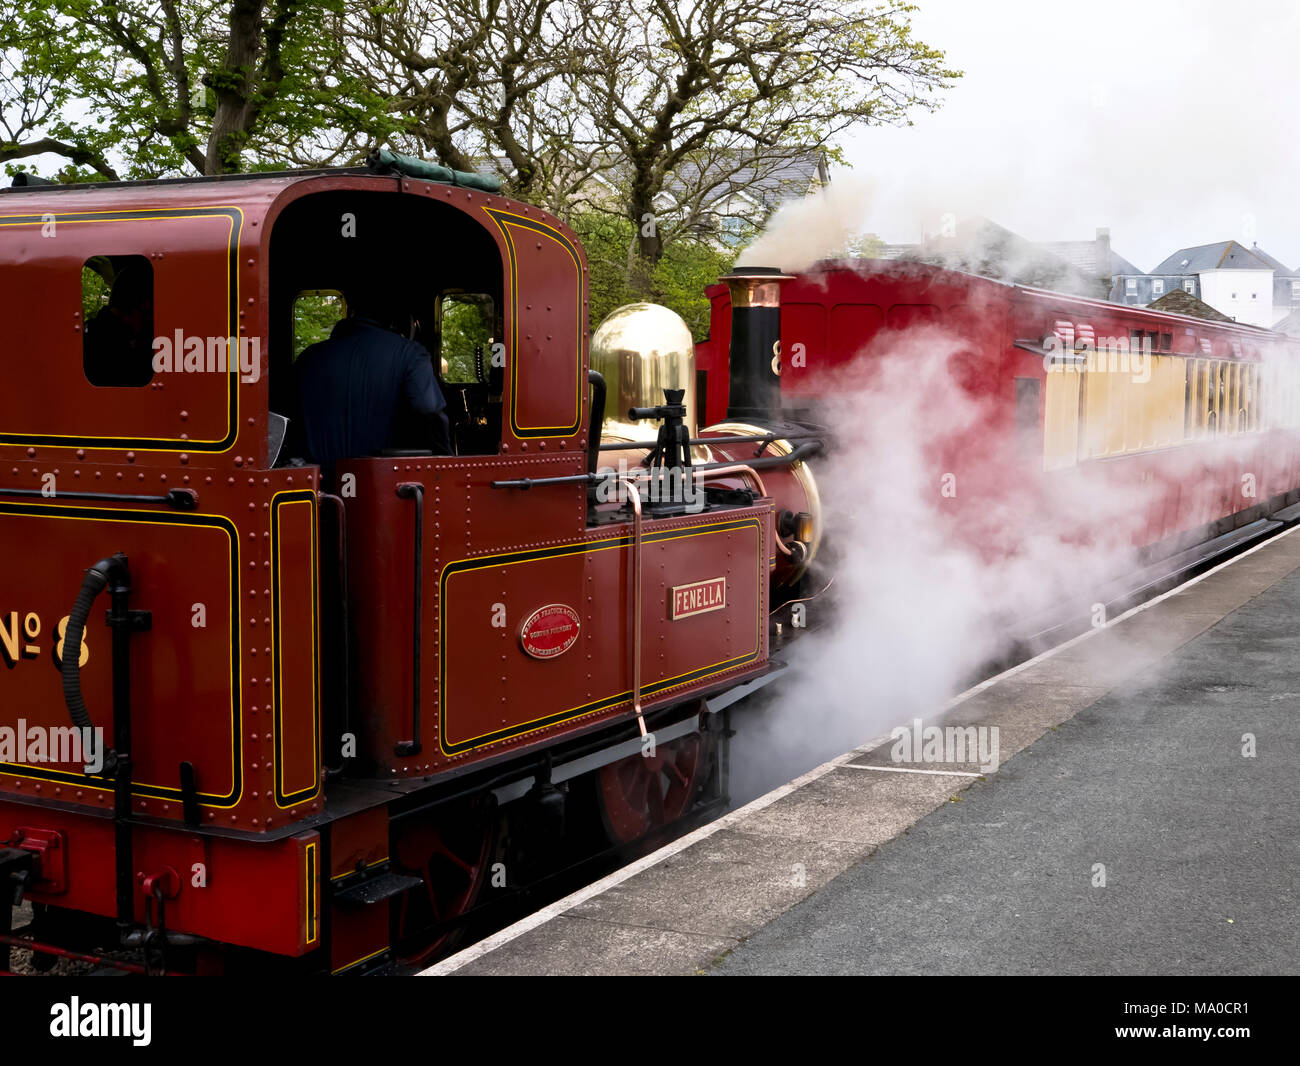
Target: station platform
[(1142, 819)]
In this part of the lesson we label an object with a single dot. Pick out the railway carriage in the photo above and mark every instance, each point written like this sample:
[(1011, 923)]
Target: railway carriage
[(1177, 438)]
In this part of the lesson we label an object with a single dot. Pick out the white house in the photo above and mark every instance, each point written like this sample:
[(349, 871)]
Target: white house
[(1246, 284)]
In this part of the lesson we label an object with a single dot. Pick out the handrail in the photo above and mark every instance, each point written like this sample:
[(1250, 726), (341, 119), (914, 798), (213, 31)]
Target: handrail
[(636, 602), (342, 577), (179, 499)]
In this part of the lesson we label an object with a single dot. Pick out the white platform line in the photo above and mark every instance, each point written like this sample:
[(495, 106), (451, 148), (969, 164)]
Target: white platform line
[(909, 770), (539, 918), (554, 910)]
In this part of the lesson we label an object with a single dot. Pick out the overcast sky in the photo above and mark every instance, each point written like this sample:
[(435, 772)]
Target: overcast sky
[(1172, 123)]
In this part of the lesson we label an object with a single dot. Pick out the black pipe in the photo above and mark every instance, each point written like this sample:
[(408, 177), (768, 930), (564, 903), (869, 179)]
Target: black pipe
[(95, 581), (408, 490), (753, 438), (119, 617), (767, 462), (114, 574), (597, 383), (180, 499)]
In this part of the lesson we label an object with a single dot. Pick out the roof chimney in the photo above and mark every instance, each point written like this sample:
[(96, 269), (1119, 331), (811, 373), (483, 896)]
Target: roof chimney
[(1103, 254)]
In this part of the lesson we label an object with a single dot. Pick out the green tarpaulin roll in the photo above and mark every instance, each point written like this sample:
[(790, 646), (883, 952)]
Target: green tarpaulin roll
[(385, 159)]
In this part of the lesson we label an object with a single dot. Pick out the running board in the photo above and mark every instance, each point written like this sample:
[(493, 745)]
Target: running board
[(1288, 515)]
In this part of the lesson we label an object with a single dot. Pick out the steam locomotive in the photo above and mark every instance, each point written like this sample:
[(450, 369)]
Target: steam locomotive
[(317, 708), (306, 718)]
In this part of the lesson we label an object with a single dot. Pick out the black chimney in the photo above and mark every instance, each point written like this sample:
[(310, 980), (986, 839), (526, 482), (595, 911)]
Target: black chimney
[(755, 358)]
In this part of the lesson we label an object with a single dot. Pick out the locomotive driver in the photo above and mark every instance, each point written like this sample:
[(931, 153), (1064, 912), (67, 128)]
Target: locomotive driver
[(359, 389)]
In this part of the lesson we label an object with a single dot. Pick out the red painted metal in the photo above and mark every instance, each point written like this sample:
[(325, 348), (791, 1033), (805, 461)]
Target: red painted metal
[(229, 676), (843, 317)]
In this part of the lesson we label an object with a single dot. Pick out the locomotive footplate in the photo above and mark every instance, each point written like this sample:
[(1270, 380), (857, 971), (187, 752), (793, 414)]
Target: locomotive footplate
[(370, 886)]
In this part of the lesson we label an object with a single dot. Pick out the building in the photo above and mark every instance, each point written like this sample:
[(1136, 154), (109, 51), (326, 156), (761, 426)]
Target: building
[(1182, 302), (1246, 284), (978, 245)]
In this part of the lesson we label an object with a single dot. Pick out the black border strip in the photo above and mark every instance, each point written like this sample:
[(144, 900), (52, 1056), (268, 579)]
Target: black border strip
[(503, 219), (236, 695), (313, 790), (578, 548), (232, 283)]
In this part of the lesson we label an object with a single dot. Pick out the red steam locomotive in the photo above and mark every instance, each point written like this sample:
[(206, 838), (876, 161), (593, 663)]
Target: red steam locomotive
[(314, 707), (319, 709)]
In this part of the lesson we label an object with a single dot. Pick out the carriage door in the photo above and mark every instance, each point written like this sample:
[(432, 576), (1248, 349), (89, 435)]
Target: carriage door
[(1062, 403)]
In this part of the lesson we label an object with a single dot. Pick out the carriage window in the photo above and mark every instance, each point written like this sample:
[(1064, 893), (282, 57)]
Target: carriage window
[(315, 311), (117, 309), (466, 329)]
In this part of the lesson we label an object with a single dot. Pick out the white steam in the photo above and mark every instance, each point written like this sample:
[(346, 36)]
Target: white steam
[(943, 541), (824, 225)]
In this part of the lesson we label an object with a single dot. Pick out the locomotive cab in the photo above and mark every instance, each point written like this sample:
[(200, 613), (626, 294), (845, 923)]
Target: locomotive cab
[(442, 274)]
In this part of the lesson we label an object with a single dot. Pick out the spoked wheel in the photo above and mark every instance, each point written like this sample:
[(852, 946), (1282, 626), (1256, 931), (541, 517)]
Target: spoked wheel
[(642, 793), (452, 853)]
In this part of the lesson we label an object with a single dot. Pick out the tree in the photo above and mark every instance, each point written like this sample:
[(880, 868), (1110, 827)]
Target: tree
[(678, 280), (676, 106), (700, 98), (144, 88), (664, 116), (483, 84)]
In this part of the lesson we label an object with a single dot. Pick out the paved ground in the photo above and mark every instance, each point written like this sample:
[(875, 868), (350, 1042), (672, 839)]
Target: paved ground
[(1128, 754)]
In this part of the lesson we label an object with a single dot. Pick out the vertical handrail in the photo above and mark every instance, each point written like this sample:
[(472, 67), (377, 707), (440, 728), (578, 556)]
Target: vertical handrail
[(345, 669), (119, 618), (415, 490), (636, 601)]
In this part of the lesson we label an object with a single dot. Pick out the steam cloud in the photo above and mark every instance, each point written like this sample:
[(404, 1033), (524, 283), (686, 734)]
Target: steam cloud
[(824, 225), (928, 587)]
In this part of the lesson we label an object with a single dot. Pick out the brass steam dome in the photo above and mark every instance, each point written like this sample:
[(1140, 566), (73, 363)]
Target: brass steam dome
[(640, 350)]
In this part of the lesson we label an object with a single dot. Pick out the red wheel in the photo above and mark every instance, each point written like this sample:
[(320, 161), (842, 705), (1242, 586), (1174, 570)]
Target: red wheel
[(452, 855), (642, 793)]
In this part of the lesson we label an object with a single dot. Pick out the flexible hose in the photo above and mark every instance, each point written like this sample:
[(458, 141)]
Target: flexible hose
[(95, 582)]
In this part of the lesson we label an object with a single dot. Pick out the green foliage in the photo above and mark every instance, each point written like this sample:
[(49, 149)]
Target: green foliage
[(95, 290), (677, 281), (466, 324), (143, 89), (314, 315)]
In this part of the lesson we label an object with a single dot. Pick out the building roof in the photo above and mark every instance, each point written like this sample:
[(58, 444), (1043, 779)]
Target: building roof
[(1225, 255), (1085, 256), (1181, 302), (1278, 266), (1289, 325), (1120, 265), (981, 246)]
